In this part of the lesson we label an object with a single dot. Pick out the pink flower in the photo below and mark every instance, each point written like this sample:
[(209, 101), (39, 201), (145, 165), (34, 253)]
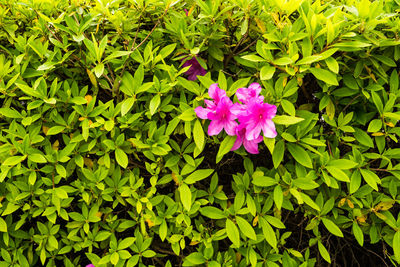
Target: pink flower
[(251, 146), (223, 118), (258, 117), (90, 265), (194, 70), (246, 95), (253, 115), (216, 94)]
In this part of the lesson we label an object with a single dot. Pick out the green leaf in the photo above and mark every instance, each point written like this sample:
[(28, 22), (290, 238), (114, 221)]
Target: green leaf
[(28, 90), (394, 81), (352, 44), (309, 59), (263, 181), (154, 103), (330, 31), (61, 193), (355, 181), (307, 199), (305, 184), (289, 108), (186, 196), (286, 120), (371, 178), (102, 235), (10, 209), (10, 113), (267, 72), (138, 78), (125, 243), (332, 227), (98, 70), (253, 58), (61, 170), (225, 147), (109, 125), (232, 232), (14, 160), (198, 135), (391, 115), (121, 158), (338, 174), (343, 164), (127, 84), (188, 115), (117, 54), (325, 76), (332, 64), (278, 196), (324, 253), (3, 225), (375, 126), (277, 155), (55, 130), (275, 221), (212, 213), (163, 230), (149, 253), (198, 176), (38, 158), (268, 232), (114, 258), (363, 138), (167, 50), (195, 258), (238, 84), (358, 234), (283, 61), (246, 228), (377, 101), (396, 246), (300, 155), (386, 60)]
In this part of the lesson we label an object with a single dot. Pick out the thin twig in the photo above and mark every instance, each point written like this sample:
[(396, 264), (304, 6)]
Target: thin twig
[(351, 101), (111, 72), (376, 254), (77, 22), (247, 47), (136, 47), (379, 170)]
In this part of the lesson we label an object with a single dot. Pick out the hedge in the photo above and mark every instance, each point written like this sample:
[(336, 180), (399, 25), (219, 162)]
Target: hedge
[(104, 160)]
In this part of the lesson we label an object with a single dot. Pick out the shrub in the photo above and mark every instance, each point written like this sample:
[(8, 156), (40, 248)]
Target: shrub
[(104, 161)]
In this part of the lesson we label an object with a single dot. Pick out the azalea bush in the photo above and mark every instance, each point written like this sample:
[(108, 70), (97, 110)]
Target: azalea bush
[(199, 133)]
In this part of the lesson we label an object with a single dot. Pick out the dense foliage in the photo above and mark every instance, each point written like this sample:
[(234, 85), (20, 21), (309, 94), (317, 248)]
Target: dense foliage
[(104, 161)]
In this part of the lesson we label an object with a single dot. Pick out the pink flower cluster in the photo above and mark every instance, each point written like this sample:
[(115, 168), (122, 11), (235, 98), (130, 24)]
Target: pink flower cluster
[(246, 120)]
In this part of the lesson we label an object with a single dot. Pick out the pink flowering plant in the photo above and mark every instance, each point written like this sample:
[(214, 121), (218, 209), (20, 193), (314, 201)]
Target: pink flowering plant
[(249, 120)]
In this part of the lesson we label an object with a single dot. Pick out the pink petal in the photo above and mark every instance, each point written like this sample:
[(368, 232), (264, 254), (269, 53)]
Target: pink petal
[(210, 104), (242, 94), (201, 112), (270, 110), (212, 91), (215, 127), (253, 131), (192, 77), (269, 129), (256, 87), (238, 143), (251, 146), (230, 127)]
